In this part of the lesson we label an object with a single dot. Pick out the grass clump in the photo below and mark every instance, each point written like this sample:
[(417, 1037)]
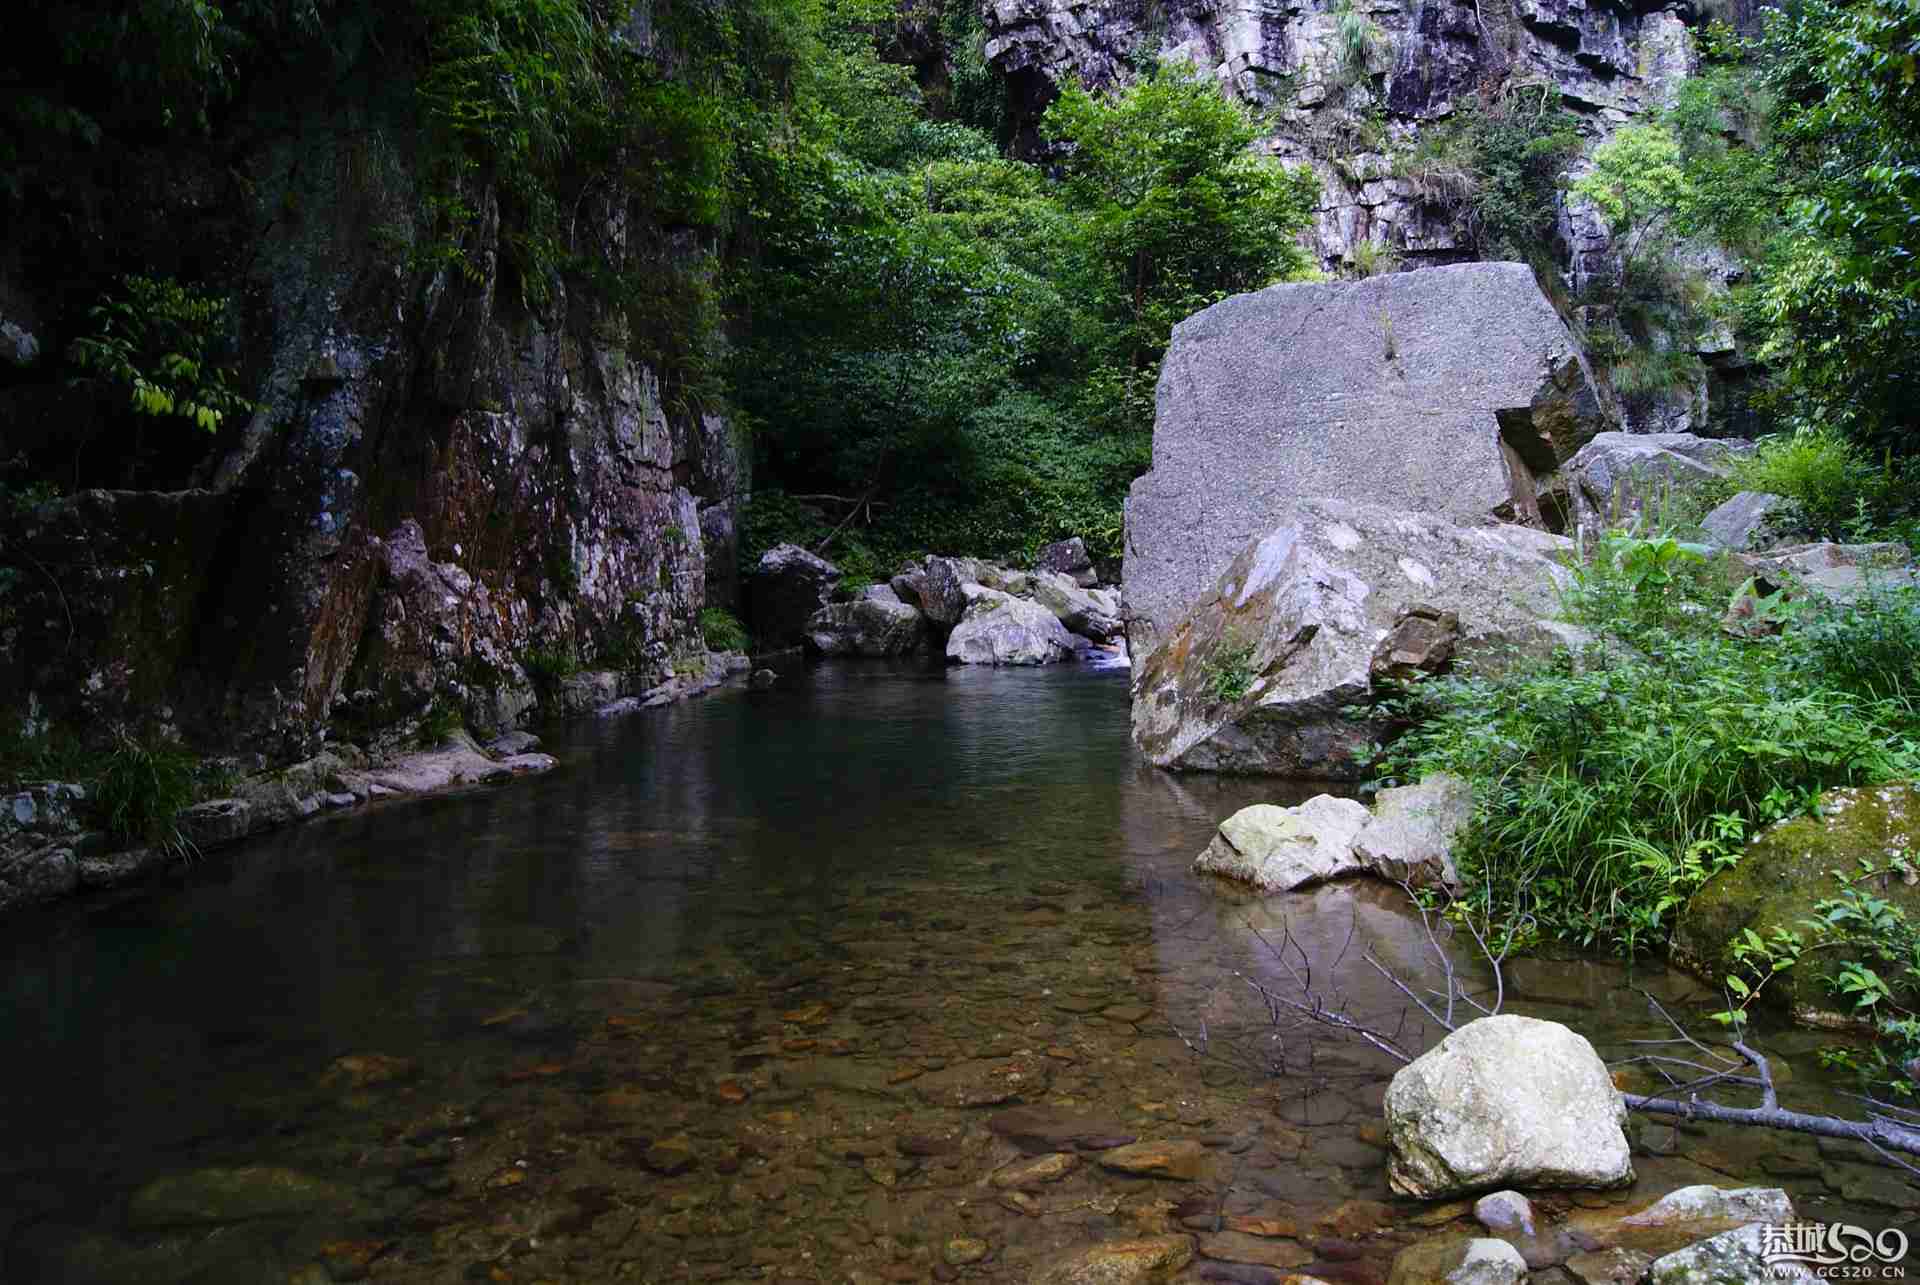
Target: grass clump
[(140, 790)]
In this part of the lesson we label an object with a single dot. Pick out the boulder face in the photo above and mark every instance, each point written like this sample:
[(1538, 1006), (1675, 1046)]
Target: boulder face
[(1258, 676), (1505, 1101), (1617, 477), (875, 624), (1410, 837), (1785, 872), (784, 592), (1068, 558), (1740, 523), (1001, 630), (1088, 612), (1440, 391)]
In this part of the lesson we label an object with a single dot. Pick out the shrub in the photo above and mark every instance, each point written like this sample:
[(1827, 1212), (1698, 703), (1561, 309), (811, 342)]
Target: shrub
[(722, 630), (1826, 476), (156, 339), (440, 721), (548, 665)]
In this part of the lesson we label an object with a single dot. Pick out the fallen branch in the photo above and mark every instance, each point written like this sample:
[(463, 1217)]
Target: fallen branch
[(1887, 1129)]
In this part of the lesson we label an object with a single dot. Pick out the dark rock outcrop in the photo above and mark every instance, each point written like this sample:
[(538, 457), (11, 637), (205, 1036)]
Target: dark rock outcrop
[(786, 588)]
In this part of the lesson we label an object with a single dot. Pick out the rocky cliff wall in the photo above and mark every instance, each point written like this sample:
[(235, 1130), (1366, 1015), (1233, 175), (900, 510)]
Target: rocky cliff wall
[(1608, 59), (441, 490)]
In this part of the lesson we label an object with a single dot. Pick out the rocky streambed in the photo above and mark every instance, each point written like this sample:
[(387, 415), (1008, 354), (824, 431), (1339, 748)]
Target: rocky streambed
[(891, 974)]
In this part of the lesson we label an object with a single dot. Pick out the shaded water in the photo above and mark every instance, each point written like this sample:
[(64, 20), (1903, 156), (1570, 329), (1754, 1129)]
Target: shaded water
[(734, 995)]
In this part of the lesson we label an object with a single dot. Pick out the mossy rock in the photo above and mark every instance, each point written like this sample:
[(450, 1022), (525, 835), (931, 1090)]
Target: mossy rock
[(1785, 872)]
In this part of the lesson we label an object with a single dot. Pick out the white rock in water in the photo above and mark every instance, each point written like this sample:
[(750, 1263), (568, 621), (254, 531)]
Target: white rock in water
[(1505, 1101), (1279, 849)]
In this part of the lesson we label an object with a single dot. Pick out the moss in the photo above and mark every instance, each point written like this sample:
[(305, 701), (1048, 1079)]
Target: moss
[(1786, 871)]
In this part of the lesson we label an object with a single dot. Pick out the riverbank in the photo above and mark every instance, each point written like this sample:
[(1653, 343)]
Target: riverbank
[(49, 849)]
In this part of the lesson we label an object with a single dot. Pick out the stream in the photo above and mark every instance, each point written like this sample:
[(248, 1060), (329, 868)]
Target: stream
[(744, 991)]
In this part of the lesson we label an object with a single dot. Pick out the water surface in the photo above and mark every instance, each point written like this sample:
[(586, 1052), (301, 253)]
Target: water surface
[(733, 995)]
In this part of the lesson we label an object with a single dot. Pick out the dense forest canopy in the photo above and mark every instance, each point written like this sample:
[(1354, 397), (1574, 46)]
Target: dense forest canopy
[(842, 251)]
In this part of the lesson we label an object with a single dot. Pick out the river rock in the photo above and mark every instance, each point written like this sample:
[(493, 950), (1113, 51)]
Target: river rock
[(870, 625), (1410, 836), (1068, 558), (1121, 1262), (1278, 849), (944, 593), (983, 1083), (1505, 1211), (1784, 872), (1175, 1158), (1002, 630), (1034, 1172), (1439, 391), (784, 591), (1080, 610), (1739, 523), (1704, 1202), (1619, 476), (1478, 1261), (1836, 572), (234, 1195), (1049, 1128), (1505, 1101), (1260, 675), (1735, 1257)]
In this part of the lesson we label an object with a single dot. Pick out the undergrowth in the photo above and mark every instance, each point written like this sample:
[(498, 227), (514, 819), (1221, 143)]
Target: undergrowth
[(1612, 782)]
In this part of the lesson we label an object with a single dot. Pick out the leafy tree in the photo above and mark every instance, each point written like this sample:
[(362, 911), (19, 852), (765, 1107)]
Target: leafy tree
[(1176, 210)]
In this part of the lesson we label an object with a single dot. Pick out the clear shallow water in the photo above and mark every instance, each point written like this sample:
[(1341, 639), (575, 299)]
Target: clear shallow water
[(726, 997)]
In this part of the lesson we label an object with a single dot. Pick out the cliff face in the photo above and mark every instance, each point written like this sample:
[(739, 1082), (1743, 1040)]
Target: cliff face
[(1607, 60), (440, 489)]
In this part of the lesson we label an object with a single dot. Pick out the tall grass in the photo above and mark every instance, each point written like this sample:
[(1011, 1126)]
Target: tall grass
[(1610, 783)]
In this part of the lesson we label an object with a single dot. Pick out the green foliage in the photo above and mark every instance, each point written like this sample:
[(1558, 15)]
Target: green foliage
[(722, 630), (1357, 40), (1611, 783), (917, 298), (1499, 164), (1823, 473), (438, 722), (1868, 951), (140, 790), (156, 339), (1228, 673), (548, 665)]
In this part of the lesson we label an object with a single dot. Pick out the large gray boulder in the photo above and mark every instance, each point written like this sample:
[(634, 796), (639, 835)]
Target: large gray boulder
[(1086, 612), (875, 624), (1444, 391), (1619, 476), (1279, 849), (1260, 675), (1505, 1101), (1001, 630), (784, 591)]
